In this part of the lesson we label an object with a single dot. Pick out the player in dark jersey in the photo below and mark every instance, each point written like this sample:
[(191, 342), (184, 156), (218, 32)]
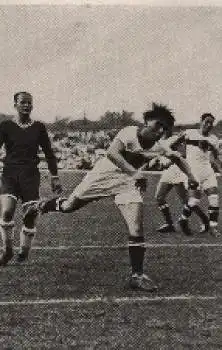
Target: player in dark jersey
[(22, 137)]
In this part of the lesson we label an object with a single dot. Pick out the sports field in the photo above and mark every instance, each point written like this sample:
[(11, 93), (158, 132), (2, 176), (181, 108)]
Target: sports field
[(72, 294)]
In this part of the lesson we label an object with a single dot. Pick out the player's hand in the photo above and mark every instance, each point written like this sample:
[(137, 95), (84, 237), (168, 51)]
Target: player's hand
[(172, 154), (56, 185), (181, 137), (140, 181), (154, 162), (204, 145), (164, 162)]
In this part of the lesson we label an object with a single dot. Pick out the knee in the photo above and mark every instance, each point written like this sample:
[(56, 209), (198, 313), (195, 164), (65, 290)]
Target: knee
[(7, 214), (213, 200), (136, 230), (193, 202), (29, 220), (68, 206)]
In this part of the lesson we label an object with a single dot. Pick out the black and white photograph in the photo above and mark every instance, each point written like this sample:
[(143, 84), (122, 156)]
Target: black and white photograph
[(110, 175)]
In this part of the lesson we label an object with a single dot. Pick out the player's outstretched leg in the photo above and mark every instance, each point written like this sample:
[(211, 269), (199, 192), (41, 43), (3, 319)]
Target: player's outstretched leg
[(52, 205), (61, 204), (132, 213), (44, 206)]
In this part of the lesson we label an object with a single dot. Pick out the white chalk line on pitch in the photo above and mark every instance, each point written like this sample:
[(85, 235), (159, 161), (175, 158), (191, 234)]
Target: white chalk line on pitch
[(151, 172), (124, 246), (115, 300)]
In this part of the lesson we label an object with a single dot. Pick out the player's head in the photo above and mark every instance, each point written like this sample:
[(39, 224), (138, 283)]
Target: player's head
[(158, 121), (206, 123), (23, 102)]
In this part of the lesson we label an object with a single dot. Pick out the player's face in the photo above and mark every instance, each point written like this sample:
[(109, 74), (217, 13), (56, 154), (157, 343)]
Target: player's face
[(24, 104), (156, 129), (207, 125), (151, 133)]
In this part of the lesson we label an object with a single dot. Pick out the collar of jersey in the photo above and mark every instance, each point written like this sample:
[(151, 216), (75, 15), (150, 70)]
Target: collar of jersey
[(23, 126)]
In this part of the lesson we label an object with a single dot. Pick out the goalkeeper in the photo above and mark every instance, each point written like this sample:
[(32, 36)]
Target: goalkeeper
[(22, 137)]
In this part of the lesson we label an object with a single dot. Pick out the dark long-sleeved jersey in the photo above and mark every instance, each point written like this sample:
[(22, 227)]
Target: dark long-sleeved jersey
[(22, 145)]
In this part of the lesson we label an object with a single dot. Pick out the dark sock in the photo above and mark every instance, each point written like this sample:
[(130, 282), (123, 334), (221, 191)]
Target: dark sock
[(136, 254), (186, 212), (204, 218), (51, 205), (165, 210)]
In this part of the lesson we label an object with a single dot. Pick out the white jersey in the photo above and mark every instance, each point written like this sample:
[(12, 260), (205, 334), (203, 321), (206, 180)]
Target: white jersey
[(196, 156), (173, 175), (106, 179), (165, 143), (128, 136)]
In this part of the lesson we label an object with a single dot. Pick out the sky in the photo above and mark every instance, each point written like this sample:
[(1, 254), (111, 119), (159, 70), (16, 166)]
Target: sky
[(91, 59)]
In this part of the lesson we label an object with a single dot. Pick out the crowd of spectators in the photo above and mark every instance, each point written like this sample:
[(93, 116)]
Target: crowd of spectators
[(78, 150)]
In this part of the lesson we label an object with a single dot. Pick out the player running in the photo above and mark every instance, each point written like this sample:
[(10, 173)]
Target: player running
[(22, 137), (200, 144), (174, 177), (117, 175)]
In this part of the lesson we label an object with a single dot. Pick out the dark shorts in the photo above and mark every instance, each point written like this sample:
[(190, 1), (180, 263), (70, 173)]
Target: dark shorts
[(21, 182)]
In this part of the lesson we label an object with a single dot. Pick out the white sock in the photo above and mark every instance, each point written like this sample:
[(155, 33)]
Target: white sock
[(7, 233), (26, 237)]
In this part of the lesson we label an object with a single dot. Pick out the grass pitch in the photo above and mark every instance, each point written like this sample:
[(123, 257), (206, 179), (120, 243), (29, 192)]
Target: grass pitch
[(72, 294)]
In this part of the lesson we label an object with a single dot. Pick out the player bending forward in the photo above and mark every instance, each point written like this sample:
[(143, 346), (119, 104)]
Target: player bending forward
[(200, 144), (116, 175), (21, 179), (174, 177)]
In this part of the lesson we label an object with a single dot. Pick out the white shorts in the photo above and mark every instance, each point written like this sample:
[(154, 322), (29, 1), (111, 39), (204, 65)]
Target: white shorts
[(206, 177), (107, 183), (173, 175)]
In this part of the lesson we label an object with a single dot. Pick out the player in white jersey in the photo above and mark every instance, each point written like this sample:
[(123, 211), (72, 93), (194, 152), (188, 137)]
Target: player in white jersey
[(200, 144), (174, 177), (117, 175)]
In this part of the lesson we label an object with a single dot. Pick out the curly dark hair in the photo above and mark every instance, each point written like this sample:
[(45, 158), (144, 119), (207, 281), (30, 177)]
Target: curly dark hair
[(160, 112), (206, 115), (21, 93)]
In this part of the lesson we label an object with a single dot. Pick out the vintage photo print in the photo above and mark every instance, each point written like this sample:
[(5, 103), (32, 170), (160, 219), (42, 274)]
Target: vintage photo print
[(110, 174)]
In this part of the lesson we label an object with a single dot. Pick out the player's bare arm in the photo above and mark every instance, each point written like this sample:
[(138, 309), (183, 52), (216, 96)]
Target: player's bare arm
[(214, 150), (216, 161), (115, 155), (176, 158), (51, 161)]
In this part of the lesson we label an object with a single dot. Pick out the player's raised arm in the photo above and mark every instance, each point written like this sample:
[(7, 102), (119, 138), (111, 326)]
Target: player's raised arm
[(214, 146), (177, 159), (215, 160), (46, 146)]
